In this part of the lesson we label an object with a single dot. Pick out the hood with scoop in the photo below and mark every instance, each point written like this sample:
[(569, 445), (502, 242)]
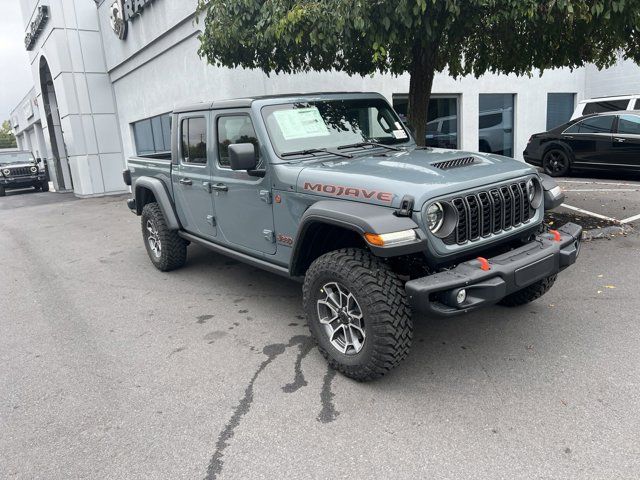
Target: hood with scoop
[(385, 178)]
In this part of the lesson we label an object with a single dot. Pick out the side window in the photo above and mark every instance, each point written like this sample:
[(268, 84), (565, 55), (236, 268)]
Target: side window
[(194, 140), (602, 124), (231, 130), (605, 106), (629, 125)]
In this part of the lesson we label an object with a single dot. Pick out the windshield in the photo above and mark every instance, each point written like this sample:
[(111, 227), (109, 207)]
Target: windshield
[(15, 157), (329, 124)]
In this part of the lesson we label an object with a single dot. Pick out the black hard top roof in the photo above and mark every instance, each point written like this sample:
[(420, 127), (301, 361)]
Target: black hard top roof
[(246, 102)]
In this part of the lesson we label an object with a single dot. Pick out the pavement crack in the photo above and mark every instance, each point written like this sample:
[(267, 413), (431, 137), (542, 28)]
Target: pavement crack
[(328, 413), (216, 463), (305, 344)]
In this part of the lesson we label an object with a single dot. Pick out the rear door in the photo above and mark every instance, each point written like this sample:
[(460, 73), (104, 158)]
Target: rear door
[(591, 140), (242, 202), (191, 177), (626, 142)]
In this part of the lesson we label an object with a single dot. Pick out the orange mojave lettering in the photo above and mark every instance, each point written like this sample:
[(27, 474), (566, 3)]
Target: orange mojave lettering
[(339, 191)]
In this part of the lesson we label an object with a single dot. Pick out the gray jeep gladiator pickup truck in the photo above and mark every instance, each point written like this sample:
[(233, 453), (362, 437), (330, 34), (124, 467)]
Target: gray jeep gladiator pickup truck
[(19, 169), (332, 190)]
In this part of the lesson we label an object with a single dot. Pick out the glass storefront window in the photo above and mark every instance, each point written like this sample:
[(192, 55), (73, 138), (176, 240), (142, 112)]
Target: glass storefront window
[(495, 123), (560, 107), (442, 120)]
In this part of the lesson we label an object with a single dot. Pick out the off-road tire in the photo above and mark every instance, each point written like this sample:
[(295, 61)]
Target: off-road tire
[(2, 192), (383, 304), (530, 293), (44, 186), (173, 253)]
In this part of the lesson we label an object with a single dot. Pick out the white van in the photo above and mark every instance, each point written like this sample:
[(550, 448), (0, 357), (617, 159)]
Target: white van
[(606, 104)]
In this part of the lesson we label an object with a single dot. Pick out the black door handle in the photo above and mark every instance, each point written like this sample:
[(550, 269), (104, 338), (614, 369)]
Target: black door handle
[(220, 187), (186, 181)]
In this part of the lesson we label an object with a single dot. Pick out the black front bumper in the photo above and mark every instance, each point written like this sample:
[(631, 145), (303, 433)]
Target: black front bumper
[(547, 255), (21, 182)]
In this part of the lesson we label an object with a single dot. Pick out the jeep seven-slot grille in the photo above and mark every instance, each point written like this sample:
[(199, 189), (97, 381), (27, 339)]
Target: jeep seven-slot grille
[(489, 212), (18, 171)]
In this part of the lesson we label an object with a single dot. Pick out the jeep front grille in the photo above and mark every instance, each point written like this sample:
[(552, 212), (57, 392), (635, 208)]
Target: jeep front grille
[(20, 171), (489, 212)]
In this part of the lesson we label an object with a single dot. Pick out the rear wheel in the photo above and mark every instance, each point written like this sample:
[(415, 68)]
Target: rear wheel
[(166, 249), (556, 163), (357, 312), (530, 293)]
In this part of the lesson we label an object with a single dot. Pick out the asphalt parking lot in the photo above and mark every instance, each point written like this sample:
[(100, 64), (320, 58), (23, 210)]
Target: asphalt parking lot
[(111, 369)]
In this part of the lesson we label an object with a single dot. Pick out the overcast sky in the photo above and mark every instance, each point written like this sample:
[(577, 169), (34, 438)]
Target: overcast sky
[(15, 73)]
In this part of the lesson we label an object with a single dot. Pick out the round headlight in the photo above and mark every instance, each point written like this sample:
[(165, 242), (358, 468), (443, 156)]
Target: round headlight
[(435, 217), (34, 169), (6, 171), (531, 190)]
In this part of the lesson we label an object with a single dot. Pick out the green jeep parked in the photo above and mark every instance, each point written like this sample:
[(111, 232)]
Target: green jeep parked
[(331, 190), (20, 170)]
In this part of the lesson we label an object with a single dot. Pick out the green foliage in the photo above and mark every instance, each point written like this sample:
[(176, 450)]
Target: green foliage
[(421, 37), (7, 139)]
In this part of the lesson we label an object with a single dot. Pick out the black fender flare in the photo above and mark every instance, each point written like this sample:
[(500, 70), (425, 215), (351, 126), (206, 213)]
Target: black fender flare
[(360, 218), (159, 190), (552, 198)]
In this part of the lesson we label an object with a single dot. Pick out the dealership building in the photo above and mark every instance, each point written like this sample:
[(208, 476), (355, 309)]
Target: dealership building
[(107, 74)]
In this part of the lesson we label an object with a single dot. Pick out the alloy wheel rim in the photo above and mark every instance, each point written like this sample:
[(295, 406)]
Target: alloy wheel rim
[(153, 239), (341, 317), (556, 161)]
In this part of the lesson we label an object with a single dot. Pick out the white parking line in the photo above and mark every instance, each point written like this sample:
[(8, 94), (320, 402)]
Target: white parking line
[(591, 214), (586, 182), (602, 189), (630, 219)]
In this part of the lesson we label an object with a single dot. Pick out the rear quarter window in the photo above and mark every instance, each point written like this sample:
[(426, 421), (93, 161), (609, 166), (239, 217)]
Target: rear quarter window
[(605, 106)]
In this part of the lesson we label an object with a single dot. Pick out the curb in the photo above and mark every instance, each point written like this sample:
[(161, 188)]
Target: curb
[(606, 232)]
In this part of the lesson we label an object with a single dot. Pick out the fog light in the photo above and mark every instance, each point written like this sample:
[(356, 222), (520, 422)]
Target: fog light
[(461, 296)]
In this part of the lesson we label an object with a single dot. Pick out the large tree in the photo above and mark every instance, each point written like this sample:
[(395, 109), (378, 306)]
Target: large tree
[(7, 139), (420, 37)]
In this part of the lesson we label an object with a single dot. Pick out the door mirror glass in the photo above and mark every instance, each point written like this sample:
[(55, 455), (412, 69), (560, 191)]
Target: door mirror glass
[(242, 156)]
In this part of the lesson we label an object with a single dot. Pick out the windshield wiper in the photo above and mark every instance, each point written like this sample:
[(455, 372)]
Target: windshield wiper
[(315, 150), (369, 144)]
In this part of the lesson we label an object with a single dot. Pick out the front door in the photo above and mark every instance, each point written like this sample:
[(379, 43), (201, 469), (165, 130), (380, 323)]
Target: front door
[(192, 175), (626, 142), (243, 203)]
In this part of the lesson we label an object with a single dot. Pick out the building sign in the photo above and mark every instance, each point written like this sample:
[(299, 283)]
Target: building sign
[(121, 11), (36, 27)]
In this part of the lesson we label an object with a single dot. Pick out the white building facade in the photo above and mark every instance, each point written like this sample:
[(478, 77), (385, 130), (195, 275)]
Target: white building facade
[(107, 73)]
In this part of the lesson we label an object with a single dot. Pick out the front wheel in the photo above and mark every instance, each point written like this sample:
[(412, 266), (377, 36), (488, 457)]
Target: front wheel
[(2, 191), (357, 312), (166, 249), (556, 163), (44, 186)]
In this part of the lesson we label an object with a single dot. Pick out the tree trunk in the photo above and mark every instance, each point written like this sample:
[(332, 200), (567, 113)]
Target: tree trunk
[(422, 72)]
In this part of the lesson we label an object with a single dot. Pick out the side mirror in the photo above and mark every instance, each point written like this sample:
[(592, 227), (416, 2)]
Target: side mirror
[(242, 156)]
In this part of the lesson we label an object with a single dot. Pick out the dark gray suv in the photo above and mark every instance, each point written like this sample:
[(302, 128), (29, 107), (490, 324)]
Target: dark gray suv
[(20, 170)]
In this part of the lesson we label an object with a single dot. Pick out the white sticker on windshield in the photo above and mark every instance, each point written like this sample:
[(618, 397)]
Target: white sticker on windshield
[(400, 134), (301, 123)]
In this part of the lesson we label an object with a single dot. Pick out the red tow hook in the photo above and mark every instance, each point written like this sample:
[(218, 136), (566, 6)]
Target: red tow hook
[(484, 264), (556, 235)]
